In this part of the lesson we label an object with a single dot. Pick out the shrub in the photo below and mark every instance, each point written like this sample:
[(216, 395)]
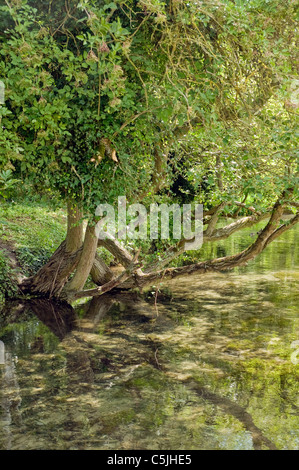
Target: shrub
[(32, 259), (8, 285)]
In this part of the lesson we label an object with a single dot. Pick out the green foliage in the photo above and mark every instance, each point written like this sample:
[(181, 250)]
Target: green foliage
[(7, 183), (31, 259), (132, 74), (257, 159), (35, 230), (7, 279)]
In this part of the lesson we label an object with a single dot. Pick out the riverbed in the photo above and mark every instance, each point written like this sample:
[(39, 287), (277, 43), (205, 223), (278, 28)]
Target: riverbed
[(199, 363)]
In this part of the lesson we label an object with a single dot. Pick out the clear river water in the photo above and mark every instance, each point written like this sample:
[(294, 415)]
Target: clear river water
[(199, 363)]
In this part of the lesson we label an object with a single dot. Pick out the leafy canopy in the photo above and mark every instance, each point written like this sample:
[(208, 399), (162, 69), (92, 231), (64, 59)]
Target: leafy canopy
[(95, 88)]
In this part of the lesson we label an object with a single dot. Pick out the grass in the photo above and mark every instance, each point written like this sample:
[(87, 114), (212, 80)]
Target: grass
[(33, 230)]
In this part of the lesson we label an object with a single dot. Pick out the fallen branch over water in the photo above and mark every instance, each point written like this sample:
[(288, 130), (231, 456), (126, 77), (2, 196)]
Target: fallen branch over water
[(133, 276)]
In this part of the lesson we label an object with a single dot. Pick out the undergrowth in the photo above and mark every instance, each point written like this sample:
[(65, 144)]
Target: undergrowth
[(8, 286), (34, 229)]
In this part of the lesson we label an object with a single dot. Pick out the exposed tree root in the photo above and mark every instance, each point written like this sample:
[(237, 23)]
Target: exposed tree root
[(51, 278)]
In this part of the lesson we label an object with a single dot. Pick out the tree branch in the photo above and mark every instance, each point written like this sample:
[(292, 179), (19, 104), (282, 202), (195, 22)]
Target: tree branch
[(283, 228), (126, 274), (213, 221), (117, 250), (151, 275), (227, 262), (218, 234)]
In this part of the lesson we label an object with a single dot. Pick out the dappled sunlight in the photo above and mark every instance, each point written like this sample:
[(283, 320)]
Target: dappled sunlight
[(205, 364)]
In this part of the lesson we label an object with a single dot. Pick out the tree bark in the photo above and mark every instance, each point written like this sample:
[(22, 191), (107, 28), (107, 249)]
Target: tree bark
[(283, 228), (219, 174), (213, 221), (74, 237), (51, 278), (130, 271), (86, 261), (117, 250), (100, 272), (159, 176)]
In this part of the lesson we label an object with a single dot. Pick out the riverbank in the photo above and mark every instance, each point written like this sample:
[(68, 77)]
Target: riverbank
[(29, 233)]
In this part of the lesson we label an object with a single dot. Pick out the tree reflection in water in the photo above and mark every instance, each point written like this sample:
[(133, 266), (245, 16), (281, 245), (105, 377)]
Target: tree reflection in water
[(112, 354), (198, 363)]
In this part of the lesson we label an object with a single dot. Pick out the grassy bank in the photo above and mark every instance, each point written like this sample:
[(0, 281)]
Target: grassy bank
[(30, 232)]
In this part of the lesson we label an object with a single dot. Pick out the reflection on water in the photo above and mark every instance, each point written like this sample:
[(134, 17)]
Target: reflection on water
[(207, 366)]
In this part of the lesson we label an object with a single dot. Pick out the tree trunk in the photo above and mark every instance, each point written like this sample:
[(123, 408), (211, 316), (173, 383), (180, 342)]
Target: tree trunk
[(86, 262), (74, 237), (219, 174), (159, 176), (51, 278), (100, 273)]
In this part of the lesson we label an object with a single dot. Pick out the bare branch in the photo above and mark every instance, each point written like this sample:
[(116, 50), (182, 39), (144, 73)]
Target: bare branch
[(117, 250), (224, 232), (126, 274), (283, 228), (218, 234), (225, 263), (213, 221), (250, 208)]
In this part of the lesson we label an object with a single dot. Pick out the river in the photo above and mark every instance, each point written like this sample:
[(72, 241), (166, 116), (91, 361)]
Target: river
[(199, 363)]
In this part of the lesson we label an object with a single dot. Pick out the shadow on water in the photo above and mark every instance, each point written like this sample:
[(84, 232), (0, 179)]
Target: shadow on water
[(58, 317), (205, 365)]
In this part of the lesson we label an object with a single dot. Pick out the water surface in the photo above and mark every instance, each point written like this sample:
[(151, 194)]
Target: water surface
[(203, 362)]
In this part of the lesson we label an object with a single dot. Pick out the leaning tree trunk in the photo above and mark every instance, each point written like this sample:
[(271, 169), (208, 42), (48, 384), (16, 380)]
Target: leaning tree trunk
[(100, 273), (72, 256), (51, 278), (86, 261)]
